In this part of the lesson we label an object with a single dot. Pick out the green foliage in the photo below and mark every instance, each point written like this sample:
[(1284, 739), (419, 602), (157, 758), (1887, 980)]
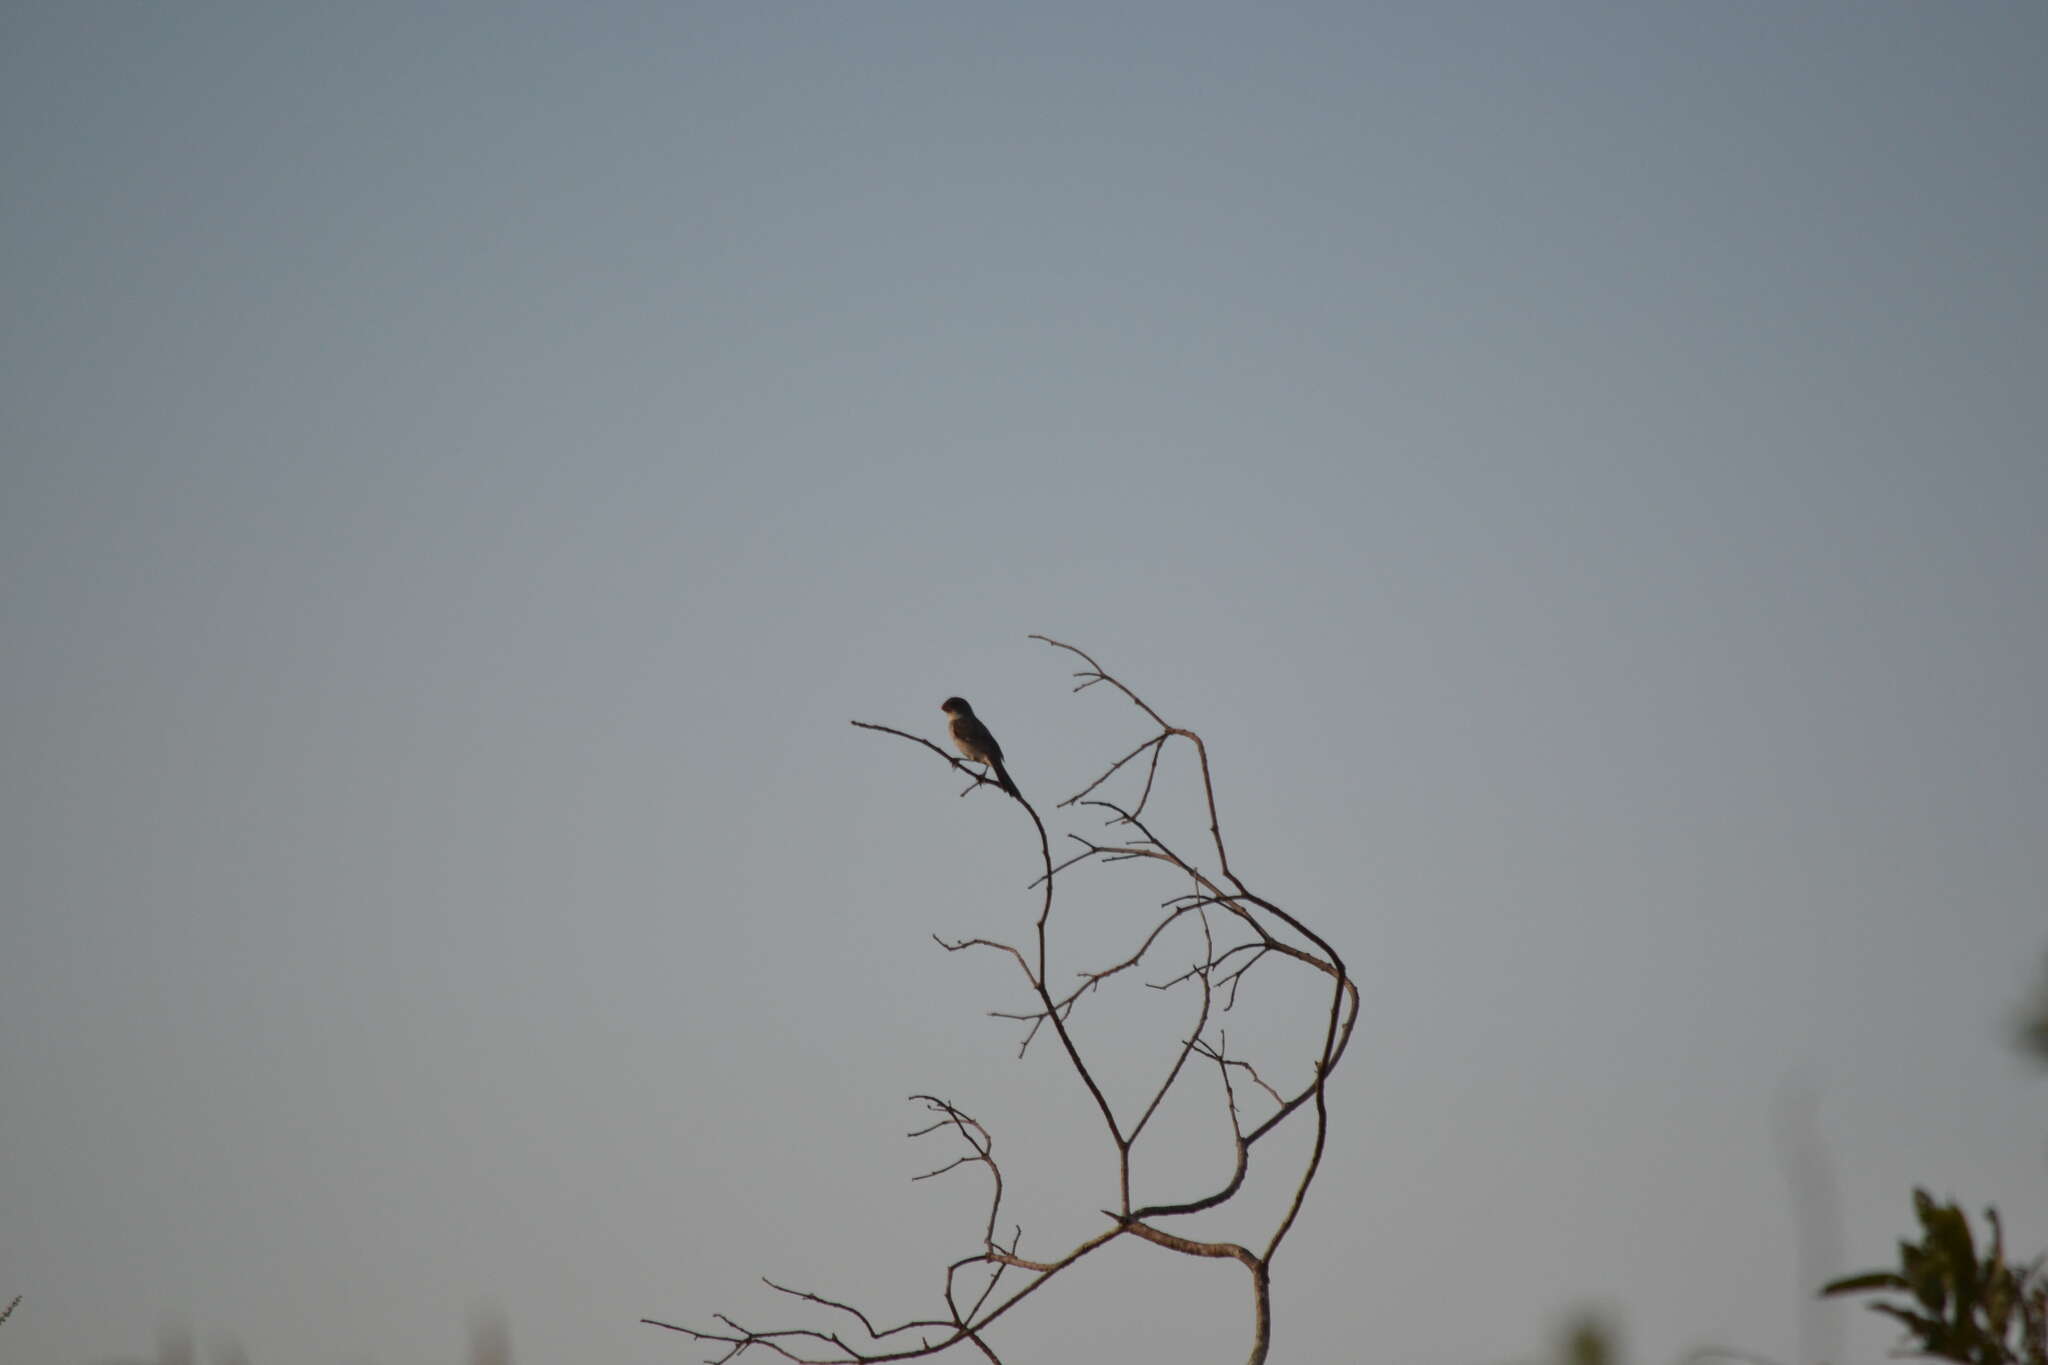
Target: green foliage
[(2033, 1031), (1980, 1312), (1589, 1341)]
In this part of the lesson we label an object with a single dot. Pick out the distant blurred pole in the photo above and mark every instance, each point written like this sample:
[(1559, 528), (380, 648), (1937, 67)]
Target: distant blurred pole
[(1816, 1207), (490, 1338)]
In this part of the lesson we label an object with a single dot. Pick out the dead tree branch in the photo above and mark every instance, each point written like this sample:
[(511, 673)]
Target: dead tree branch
[(1237, 930)]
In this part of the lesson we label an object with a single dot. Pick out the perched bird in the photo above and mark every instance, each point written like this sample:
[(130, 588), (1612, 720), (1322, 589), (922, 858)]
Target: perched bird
[(976, 744)]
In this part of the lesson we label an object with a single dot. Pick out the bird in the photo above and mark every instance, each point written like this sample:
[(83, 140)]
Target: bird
[(976, 744)]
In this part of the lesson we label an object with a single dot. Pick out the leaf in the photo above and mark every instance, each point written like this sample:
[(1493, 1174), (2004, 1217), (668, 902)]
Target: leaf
[(1925, 1279), (1948, 1232), (1924, 1207), (1856, 1284), (1998, 1308), (1933, 1332)]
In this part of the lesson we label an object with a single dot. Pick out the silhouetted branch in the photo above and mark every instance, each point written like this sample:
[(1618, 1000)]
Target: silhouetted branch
[(1254, 931)]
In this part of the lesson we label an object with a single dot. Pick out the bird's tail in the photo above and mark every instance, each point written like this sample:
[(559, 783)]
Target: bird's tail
[(1003, 780)]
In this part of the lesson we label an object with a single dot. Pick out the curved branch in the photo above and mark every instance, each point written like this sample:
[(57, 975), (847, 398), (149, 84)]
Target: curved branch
[(1256, 930)]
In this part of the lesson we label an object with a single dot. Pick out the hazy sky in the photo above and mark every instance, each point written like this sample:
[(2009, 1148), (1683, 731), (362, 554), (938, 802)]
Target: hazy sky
[(461, 467)]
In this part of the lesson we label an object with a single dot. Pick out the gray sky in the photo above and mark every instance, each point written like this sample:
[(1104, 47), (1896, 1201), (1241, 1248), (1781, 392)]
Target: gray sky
[(1581, 467)]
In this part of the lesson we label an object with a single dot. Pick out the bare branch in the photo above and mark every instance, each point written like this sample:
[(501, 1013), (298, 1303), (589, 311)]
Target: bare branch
[(1255, 931)]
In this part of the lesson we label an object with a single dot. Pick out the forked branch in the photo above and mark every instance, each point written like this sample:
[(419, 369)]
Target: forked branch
[(1232, 931)]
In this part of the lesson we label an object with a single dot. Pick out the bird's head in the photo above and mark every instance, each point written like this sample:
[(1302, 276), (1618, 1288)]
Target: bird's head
[(956, 706)]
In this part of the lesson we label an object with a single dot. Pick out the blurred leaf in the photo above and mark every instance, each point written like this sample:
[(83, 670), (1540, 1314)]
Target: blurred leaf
[(1923, 1208), (2033, 1030), (1929, 1330), (1869, 1279), (1949, 1230), (1589, 1342), (1923, 1272)]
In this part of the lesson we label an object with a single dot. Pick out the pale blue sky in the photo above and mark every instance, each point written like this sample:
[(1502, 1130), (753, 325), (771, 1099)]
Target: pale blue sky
[(1581, 466)]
